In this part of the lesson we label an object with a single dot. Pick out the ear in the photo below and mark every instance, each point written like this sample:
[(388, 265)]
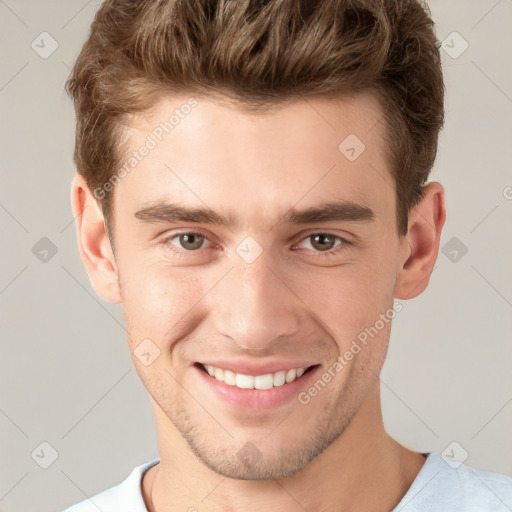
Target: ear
[(420, 246), (93, 242)]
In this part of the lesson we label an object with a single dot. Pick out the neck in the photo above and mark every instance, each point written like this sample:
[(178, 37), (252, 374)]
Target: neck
[(364, 469)]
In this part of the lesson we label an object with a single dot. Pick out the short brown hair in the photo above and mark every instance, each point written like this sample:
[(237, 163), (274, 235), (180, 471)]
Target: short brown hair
[(258, 53)]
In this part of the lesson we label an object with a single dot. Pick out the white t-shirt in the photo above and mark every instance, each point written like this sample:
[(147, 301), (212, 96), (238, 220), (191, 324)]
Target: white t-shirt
[(440, 486)]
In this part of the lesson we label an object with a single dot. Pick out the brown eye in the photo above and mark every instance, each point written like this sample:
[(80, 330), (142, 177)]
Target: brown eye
[(188, 241), (322, 242)]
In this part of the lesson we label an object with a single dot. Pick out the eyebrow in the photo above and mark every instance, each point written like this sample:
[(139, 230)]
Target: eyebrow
[(348, 211)]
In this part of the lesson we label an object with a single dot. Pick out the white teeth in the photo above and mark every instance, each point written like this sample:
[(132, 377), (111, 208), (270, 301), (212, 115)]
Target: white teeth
[(244, 381), (291, 375), (264, 381), (219, 374), (229, 378), (267, 381), (279, 378)]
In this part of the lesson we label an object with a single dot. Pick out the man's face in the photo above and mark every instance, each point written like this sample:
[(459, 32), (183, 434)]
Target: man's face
[(269, 292)]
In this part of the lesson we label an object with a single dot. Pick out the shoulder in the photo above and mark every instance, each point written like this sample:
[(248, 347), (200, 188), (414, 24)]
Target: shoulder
[(452, 487), (125, 496)]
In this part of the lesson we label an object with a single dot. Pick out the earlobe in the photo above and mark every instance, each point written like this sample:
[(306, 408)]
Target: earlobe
[(420, 247), (93, 242)]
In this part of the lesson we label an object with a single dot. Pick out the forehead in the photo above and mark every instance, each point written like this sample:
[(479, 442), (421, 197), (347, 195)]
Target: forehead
[(255, 166)]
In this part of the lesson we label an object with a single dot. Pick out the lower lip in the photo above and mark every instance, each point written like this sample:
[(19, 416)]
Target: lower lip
[(256, 398)]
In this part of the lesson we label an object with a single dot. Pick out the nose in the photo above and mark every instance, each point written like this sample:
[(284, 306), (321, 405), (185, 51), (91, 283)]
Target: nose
[(255, 305)]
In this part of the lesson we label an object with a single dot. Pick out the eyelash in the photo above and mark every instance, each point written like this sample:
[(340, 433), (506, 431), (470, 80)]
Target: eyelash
[(316, 254), (335, 251)]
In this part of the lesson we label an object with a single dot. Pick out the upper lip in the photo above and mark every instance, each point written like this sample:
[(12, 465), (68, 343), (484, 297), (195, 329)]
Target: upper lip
[(252, 368)]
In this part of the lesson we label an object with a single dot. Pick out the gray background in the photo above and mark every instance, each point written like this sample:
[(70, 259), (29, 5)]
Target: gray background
[(66, 375)]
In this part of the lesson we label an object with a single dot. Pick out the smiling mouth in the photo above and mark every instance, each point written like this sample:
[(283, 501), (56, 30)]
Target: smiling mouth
[(259, 382)]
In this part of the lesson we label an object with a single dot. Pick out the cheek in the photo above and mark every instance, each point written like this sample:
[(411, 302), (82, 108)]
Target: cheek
[(158, 302), (348, 299), (161, 308)]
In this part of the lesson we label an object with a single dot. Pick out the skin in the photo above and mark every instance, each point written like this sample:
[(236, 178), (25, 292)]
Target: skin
[(332, 453)]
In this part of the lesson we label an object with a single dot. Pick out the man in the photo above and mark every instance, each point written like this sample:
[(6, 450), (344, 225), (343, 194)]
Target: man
[(252, 188)]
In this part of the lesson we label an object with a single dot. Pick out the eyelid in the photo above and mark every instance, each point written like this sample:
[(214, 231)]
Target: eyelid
[(345, 241), (329, 232), (166, 241)]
